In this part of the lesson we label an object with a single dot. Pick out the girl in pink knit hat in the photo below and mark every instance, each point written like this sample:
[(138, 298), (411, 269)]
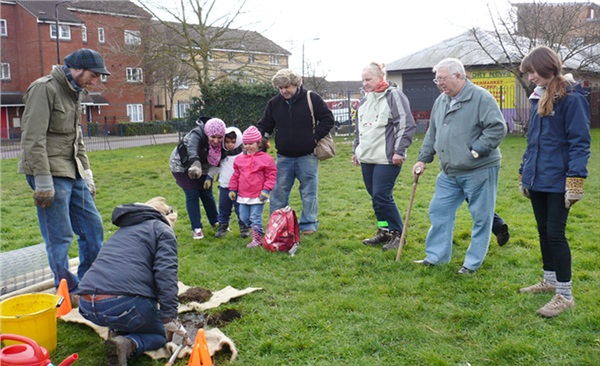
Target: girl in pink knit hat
[(254, 175)]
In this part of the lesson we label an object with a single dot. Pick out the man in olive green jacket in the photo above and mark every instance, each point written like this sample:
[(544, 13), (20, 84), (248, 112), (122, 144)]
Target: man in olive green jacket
[(54, 160)]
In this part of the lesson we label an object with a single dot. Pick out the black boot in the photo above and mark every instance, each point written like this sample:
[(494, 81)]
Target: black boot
[(222, 230), (500, 229), (244, 231), (382, 236)]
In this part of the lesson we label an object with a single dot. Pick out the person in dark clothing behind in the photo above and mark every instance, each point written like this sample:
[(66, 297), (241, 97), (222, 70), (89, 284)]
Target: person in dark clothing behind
[(134, 273), (295, 140)]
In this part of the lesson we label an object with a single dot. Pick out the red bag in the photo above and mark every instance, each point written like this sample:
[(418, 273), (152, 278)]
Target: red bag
[(283, 232)]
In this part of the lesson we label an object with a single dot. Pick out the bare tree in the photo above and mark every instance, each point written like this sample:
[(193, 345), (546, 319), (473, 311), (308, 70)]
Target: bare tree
[(560, 26), (194, 35)]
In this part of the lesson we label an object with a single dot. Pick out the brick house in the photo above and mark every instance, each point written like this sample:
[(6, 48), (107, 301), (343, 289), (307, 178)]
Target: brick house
[(119, 31), (29, 51)]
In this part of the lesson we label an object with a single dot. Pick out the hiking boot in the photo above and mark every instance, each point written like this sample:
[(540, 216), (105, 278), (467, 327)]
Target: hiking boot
[(198, 234), (465, 270), (502, 234), (118, 350), (244, 231), (394, 241), (557, 305), (222, 230), (540, 287), (383, 236)]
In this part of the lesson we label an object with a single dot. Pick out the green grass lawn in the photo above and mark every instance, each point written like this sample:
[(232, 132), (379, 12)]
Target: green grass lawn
[(338, 302)]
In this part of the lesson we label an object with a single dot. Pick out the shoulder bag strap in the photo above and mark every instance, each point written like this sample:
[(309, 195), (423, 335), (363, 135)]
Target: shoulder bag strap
[(310, 106)]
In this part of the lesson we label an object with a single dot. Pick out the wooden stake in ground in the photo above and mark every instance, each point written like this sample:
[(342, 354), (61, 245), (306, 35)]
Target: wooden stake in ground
[(410, 203)]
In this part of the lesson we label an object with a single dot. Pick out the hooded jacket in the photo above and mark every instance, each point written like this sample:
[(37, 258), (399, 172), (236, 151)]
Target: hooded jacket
[(385, 127), (51, 142), (139, 259), (229, 157), (196, 144), (293, 124), (558, 145), (252, 174)]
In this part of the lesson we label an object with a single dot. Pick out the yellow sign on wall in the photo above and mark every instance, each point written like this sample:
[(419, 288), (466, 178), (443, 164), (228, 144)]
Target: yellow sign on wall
[(501, 83)]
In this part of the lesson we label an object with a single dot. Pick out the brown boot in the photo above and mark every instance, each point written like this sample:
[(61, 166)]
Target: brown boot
[(383, 236), (118, 350)]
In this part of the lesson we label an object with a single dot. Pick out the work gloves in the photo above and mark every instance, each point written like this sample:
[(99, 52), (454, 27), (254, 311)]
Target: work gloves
[(208, 182), (524, 191), (173, 326), (89, 179), (573, 191), (232, 195), (43, 196), (264, 195), (195, 171)]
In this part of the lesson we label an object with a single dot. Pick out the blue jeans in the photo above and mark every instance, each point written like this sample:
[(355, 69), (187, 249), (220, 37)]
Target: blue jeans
[(306, 170), (72, 211), (479, 187), (192, 204), (251, 216), (225, 207), (380, 180), (551, 217), (135, 317)]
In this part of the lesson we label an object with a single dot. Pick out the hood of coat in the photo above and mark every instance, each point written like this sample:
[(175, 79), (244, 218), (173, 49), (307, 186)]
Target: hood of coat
[(238, 141), (135, 213)]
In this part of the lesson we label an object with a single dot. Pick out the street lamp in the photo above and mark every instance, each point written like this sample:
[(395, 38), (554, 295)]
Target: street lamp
[(57, 30), (314, 39)]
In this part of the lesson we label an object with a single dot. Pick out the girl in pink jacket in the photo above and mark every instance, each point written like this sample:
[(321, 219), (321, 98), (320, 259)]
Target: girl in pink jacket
[(254, 175)]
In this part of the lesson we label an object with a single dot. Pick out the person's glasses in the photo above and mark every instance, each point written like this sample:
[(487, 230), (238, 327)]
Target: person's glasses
[(442, 79), (170, 211)]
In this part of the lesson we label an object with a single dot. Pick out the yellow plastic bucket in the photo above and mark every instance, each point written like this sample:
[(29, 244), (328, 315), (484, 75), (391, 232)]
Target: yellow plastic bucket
[(32, 316)]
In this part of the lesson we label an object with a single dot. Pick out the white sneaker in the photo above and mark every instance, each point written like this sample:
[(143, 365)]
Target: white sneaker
[(557, 305), (198, 234)]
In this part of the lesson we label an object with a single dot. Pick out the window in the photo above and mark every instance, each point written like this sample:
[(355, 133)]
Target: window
[(64, 32), (84, 33), (231, 56), (210, 56), (132, 37), (5, 75), (135, 112), (251, 59), (274, 60), (103, 78), (3, 29), (101, 37), (134, 75), (182, 109), (181, 83)]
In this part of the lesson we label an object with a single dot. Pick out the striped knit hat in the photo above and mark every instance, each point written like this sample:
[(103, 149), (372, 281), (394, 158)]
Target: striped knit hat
[(251, 135)]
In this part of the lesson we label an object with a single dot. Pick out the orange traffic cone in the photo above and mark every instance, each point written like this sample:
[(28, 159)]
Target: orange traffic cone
[(200, 355), (63, 290)]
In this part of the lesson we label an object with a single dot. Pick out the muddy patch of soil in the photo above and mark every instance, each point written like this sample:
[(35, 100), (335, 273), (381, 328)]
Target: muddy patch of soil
[(219, 319), (198, 294)]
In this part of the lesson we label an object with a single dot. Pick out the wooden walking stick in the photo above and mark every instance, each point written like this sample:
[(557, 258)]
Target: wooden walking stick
[(410, 203)]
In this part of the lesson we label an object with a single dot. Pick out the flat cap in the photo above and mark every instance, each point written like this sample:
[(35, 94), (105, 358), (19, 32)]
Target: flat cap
[(88, 59)]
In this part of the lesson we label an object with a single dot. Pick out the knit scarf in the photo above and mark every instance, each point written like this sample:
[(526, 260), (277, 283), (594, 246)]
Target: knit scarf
[(214, 154), (381, 86)]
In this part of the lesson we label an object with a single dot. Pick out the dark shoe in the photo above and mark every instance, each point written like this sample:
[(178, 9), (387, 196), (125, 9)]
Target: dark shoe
[(222, 230), (394, 242), (244, 231), (502, 235), (424, 262), (465, 270), (382, 236), (118, 350)]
